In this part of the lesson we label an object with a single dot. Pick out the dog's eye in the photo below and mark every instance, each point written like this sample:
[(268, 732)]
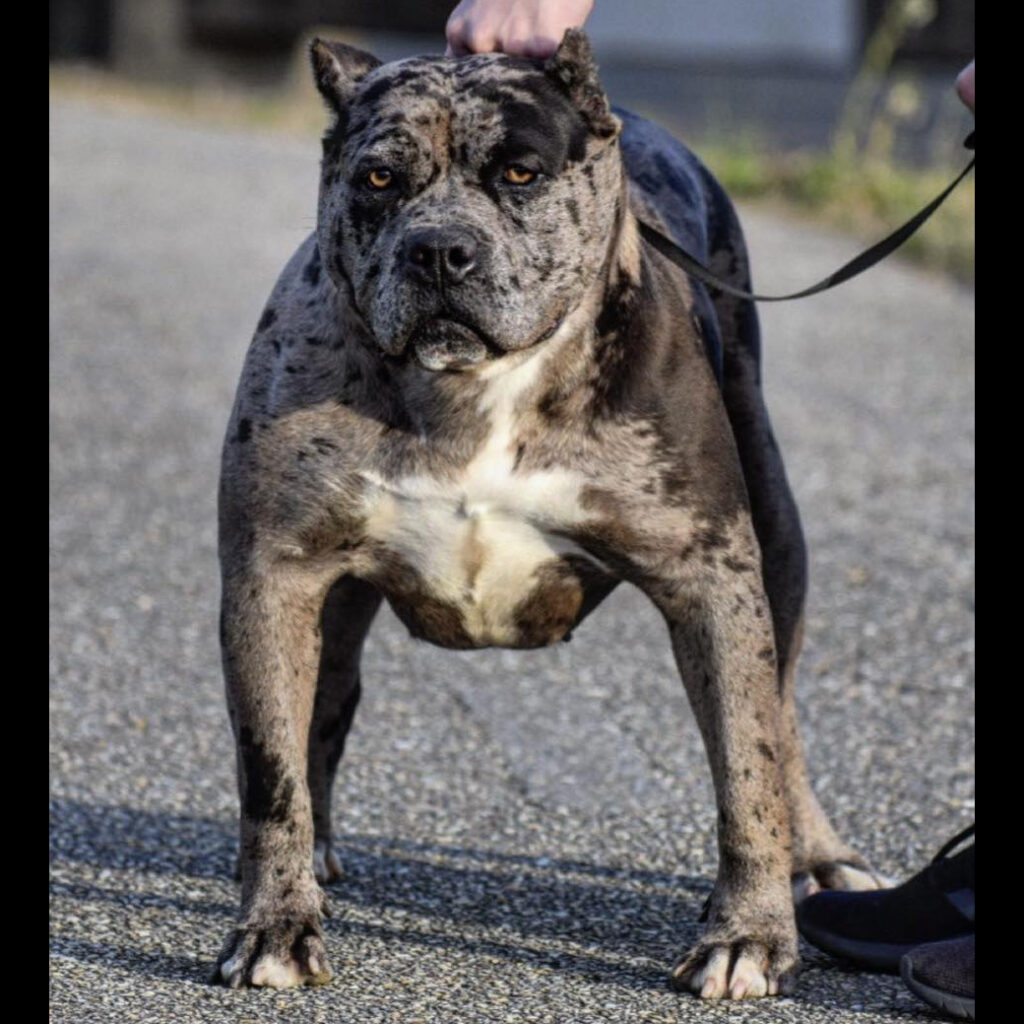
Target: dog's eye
[(379, 177), (517, 174)]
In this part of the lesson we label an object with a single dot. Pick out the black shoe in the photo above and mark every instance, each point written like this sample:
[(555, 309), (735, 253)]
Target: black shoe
[(875, 929), (942, 974)]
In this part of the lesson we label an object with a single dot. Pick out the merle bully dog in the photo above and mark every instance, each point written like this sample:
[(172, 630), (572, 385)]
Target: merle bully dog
[(476, 394)]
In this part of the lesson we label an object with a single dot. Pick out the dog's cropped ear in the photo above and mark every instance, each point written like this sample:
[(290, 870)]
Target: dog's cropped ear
[(573, 67), (337, 69)]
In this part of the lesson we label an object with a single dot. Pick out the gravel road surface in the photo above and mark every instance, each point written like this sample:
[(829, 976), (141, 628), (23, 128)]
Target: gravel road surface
[(528, 836)]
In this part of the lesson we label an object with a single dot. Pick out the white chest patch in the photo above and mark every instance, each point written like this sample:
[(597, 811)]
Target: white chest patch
[(477, 539)]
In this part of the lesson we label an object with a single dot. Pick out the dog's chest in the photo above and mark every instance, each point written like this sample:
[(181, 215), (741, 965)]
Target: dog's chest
[(479, 556), (469, 560)]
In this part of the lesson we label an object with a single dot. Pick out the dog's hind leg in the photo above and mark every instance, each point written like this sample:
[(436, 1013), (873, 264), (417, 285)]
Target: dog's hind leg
[(348, 612), (820, 858)]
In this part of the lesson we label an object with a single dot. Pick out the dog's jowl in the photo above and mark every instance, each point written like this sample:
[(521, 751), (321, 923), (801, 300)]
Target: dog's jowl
[(476, 395)]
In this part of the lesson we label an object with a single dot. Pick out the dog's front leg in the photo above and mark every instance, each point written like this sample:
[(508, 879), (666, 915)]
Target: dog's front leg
[(721, 630), (271, 645)]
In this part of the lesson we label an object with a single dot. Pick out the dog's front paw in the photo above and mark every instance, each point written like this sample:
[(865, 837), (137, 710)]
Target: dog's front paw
[(747, 967), (282, 954)]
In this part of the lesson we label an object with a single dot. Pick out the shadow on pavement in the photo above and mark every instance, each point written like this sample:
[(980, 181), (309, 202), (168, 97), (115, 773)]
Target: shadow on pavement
[(602, 924), (148, 965), (519, 902)]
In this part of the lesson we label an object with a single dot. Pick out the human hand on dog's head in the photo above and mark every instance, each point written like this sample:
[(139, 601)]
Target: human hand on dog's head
[(520, 28), (965, 86)]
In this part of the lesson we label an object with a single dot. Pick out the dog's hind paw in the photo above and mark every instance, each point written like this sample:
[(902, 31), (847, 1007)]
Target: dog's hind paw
[(326, 866), (837, 874)]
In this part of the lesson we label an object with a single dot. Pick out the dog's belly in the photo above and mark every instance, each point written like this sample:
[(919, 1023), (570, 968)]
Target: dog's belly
[(481, 563)]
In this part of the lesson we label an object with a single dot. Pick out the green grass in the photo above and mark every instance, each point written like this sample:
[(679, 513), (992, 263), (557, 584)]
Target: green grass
[(868, 198)]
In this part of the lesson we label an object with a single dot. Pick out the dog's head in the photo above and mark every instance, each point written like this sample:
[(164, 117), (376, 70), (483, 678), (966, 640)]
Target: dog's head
[(466, 204)]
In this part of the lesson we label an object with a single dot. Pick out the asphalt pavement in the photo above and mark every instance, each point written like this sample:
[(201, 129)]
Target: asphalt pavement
[(527, 836)]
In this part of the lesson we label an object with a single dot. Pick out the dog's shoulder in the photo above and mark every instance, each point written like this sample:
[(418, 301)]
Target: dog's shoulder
[(300, 302), (304, 374), (300, 345)]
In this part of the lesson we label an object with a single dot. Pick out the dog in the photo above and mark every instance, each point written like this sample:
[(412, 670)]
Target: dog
[(475, 393)]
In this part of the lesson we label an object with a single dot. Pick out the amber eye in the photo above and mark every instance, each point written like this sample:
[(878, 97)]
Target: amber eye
[(517, 174), (379, 178)]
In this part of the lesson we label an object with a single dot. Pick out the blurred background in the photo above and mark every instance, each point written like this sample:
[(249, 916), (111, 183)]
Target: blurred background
[(840, 109)]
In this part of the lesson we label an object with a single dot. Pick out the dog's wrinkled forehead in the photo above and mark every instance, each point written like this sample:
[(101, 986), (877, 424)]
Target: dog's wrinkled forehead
[(479, 111)]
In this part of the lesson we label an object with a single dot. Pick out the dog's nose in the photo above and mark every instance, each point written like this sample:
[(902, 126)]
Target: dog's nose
[(445, 255)]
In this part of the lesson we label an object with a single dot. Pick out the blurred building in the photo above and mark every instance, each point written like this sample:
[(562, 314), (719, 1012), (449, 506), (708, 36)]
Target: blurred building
[(780, 67), (814, 32)]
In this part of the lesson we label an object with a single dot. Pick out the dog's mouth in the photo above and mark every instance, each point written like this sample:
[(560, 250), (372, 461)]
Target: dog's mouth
[(441, 343)]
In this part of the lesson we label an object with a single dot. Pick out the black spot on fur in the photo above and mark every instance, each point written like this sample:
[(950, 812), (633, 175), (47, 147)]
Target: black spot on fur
[(371, 93), (551, 405), (311, 272), (626, 376), (269, 316), (547, 130), (244, 431), (709, 538), (736, 565), (268, 792)]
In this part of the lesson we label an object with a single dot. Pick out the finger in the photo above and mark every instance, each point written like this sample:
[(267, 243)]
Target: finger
[(537, 47), (479, 41), (455, 31), (965, 86)]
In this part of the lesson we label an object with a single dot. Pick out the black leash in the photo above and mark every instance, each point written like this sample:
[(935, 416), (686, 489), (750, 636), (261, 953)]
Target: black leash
[(681, 258)]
